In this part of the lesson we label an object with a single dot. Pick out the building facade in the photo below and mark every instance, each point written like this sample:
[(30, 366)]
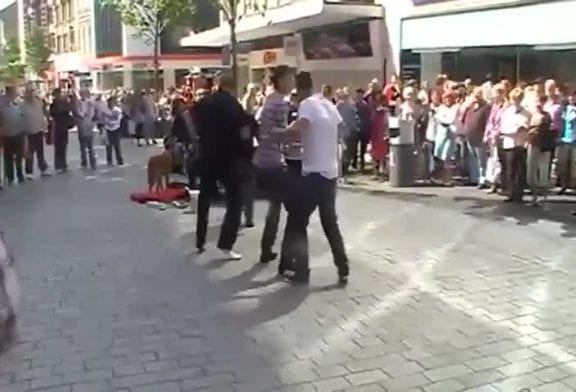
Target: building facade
[(92, 47), (339, 42), (31, 14), (520, 40)]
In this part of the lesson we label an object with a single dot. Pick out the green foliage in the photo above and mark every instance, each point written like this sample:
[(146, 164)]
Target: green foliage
[(38, 51), (13, 69), (150, 18)]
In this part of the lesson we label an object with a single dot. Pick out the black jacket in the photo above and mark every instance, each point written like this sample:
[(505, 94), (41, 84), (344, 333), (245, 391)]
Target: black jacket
[(219, 119)]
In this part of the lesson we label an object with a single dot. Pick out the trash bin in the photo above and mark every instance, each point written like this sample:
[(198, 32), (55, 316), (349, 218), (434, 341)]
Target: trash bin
[(402, 163)]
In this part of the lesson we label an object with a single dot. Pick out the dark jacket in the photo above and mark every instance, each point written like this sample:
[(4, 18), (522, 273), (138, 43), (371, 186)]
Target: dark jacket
[(219, 119), (61, 113), (180, 131), (474, 123), (542, 134)]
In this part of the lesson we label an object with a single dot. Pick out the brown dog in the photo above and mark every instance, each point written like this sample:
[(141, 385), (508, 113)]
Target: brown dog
[(159, 169)]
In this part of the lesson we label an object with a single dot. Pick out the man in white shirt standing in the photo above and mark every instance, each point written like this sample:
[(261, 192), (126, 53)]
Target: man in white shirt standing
[(86, 112), (112, 123), (317, 127), (514, 124), (35, 126)]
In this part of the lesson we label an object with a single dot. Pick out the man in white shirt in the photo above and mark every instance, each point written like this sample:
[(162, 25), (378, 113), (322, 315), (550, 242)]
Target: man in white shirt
[(13, 136), (86, 112), (112, 123), (514, 124), (35, 126), (317, 127)]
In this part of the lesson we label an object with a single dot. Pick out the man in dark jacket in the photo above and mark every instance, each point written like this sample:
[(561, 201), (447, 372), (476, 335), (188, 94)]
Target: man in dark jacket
[(223, 134), (364, 121), (474, 125), (62, 120)]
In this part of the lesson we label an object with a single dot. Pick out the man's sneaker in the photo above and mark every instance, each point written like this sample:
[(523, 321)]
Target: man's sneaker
[(225, 254), (45, 174)]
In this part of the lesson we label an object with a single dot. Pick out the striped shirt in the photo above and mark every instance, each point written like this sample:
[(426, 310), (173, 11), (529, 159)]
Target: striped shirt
[(273, 120)]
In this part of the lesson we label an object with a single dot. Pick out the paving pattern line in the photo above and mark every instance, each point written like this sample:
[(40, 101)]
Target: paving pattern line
[(540, 294), (416, 276)]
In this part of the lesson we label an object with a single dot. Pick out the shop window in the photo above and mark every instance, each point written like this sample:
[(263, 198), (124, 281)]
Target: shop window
[(342, 41)]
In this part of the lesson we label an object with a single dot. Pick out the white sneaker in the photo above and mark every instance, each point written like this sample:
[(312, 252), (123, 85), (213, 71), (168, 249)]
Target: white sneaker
[(224, 254)]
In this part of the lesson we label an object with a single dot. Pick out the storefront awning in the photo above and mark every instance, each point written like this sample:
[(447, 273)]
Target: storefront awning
[(520, 25), (284, 20)]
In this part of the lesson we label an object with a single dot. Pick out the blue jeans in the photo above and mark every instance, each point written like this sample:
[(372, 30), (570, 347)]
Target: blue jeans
[(477, 162)]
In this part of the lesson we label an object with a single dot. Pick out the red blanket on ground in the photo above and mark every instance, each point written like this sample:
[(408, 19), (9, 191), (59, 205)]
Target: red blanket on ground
[(163, 196)]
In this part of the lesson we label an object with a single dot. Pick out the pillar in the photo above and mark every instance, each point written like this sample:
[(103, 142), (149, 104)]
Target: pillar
[(169, 77), (127, 79)]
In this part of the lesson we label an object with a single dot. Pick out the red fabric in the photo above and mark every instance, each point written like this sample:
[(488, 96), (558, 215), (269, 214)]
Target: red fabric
[(379, 145), (163, 196)]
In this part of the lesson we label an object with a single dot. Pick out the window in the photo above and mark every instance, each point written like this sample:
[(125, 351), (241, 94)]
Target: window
[(65, 47), (342, 41), (59, 44), (53, 41)]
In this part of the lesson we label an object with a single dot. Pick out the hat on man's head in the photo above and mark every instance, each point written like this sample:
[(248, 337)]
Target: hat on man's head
[(303, 80)]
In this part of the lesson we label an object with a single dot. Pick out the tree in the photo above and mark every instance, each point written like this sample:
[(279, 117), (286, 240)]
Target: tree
[(12, 69), (150, 19), (38, 51), (233, 11)]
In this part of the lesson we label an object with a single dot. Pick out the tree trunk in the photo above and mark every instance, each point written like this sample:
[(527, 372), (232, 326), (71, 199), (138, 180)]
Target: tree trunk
[(157, 63), (234, 53)]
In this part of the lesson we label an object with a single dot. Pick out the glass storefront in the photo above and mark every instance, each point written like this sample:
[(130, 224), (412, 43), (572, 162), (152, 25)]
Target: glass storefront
[(516, 63)]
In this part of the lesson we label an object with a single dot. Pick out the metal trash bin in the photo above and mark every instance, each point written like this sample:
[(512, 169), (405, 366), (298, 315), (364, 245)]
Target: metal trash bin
[(402, 161)]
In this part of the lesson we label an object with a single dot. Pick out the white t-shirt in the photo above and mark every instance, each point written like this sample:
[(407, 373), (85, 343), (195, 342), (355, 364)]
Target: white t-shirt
[(320, 140), (512, 119)]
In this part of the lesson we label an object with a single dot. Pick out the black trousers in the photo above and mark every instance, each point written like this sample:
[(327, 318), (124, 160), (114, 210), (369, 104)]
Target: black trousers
[(514, 172), (274, 183), (350, 155), (13, 157), (229, 176), (114, 139), (36, 148), (308, 193), (60, 146), (294, 166), (362, 145)]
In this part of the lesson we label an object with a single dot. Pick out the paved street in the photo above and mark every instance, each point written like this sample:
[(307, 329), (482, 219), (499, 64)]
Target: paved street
[(446, 294)]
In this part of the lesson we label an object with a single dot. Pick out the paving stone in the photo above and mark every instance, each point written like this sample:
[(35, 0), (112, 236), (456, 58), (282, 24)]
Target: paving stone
[(367, 377), (446, 372), (481, 378), (332, 384), (445, 386), (485, 363), (553, 387), (404, 383), (522, 367), (164, 387)]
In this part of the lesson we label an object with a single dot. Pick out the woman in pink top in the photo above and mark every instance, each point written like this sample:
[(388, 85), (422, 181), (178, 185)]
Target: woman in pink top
[(378, 144)]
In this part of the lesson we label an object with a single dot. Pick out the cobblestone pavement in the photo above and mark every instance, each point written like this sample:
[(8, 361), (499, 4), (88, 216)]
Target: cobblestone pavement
[(445, 295)]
